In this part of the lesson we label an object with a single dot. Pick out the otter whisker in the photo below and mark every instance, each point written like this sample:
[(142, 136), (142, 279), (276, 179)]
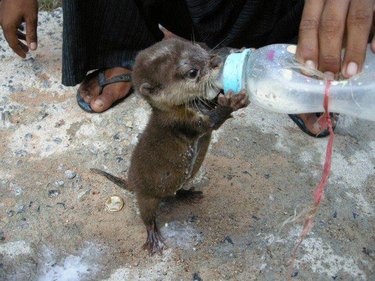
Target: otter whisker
[(216, 46), (205, 102)]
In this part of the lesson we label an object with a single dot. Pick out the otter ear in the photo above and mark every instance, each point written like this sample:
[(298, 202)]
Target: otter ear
[(146, 89)]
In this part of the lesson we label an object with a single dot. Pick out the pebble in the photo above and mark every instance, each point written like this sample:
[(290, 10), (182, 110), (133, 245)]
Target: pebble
[(59, 123), (119, 159), (294, 274), (21, 153), (10, 213), (2, 236), (53, 193), (62, 167), (42, 116), (17, 189), (196, 277), (28, 136), (94, 150), (129, 124), (57, 140), (117, 137), (70, 174), (21, 209), (82, 195), (123, 137), (368, 252), (59, 183), (228, 239), (5, 116), (114, 204)]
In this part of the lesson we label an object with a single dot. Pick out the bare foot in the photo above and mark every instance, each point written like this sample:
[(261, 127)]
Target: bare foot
[(90, 89), (312, 122)]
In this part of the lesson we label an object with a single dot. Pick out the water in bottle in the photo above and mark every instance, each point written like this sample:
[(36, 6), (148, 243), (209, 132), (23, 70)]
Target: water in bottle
[(274, 81)]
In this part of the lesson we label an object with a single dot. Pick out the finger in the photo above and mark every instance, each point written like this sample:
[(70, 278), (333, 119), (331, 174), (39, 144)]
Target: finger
[(331, 33), (359, 23), (31, 32), (21, 35), (10, 34), (308, 44)]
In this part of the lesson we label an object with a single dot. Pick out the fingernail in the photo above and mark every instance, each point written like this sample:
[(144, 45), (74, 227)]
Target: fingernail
[(351, 69), (33, 46), (98, 103), (328, 75), (310, 64)]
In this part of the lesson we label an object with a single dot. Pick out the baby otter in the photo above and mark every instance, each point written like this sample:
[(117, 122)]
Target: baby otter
[(176, 78)]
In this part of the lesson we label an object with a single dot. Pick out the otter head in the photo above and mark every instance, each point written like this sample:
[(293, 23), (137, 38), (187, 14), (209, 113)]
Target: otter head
[(174, 72)]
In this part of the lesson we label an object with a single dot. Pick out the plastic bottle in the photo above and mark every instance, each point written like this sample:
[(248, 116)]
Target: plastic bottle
[(273, 81)]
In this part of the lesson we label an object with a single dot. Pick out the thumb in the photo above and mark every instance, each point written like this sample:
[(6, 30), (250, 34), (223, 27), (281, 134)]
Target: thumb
[(31, 32)]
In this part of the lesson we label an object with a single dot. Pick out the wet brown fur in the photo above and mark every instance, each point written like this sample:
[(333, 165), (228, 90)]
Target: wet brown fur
[(173, 145)]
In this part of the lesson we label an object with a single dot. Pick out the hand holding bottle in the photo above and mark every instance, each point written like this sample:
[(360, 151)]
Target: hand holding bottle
[(325, 27)]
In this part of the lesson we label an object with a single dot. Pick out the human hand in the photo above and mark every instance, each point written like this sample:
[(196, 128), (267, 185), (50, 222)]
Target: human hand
[(326, 26), (12, 14)]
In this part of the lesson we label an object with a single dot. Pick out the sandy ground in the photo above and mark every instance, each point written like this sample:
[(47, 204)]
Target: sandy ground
[(260, 170)]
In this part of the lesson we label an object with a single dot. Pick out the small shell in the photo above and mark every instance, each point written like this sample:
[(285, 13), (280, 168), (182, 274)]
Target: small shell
[(114, 204), (292, 49)]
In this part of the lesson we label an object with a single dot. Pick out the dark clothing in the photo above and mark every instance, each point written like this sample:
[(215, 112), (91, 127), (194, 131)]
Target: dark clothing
[(104, 33)]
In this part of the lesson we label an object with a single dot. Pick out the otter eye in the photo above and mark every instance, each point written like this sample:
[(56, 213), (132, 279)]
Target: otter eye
[(193, 73)]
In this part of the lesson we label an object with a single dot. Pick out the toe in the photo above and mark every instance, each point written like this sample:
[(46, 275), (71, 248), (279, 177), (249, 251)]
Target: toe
[(89, 88), (110, 95), (311, 122), (102, 102), (86, 95)]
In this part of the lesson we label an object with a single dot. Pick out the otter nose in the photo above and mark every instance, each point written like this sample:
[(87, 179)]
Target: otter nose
[(215, 61)]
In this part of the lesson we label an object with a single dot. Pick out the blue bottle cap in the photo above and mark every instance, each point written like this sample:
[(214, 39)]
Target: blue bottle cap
[(233, 71)]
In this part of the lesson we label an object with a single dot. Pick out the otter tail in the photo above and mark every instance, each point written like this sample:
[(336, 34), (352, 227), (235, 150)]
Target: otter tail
[(116, 180)]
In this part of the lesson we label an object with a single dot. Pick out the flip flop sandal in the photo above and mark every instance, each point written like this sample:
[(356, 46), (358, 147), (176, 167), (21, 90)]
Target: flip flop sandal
[(301, 124), (126, 77)]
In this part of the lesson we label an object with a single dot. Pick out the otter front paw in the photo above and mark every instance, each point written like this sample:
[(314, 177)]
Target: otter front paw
[(234, 101)]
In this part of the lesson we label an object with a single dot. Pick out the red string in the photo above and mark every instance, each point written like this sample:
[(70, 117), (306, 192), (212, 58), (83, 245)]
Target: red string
[(318, 193), (319, 190)]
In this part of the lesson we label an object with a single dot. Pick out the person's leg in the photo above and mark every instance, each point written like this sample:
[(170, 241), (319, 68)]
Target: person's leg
[(101, 34)]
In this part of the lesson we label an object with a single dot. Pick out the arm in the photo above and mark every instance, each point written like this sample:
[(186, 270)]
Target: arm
[(227, 104)]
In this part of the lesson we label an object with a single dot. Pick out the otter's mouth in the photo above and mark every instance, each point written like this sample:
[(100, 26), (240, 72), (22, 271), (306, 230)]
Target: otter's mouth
[(209, 100), (212, 90), (203, 105)]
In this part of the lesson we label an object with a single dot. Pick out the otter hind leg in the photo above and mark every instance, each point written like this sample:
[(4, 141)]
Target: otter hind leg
[(154, 242)]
